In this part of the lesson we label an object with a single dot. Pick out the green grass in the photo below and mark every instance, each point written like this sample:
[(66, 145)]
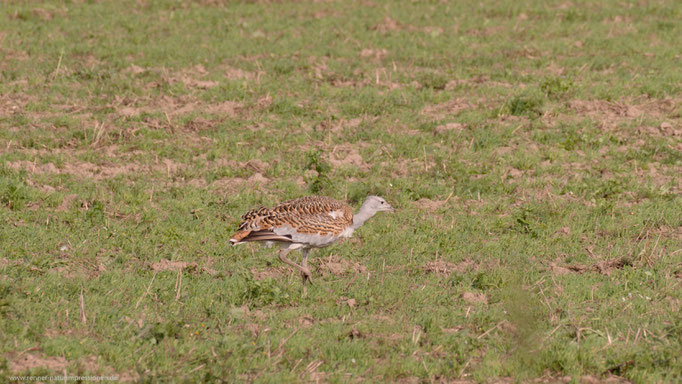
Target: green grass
[(533, 151)]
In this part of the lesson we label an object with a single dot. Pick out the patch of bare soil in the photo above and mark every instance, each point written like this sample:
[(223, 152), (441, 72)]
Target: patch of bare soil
[(336, 126), (612, 113), (433, 205), (167, 265), (306, 321), (268, 273), (67, 202), (662, 175), (446, 109), (558, 269), (201, 84), (45, 188), (388, 25), (511, 175), (347, 125), (175, 106), (13, 103), (337, 266), (452, 329), (666, 129), (257, 165), (347, 155), (234, 183), (230, 184), (80, 267), (380, 77), (605, 267), (232, 73), (29, 361), (376, 54), (402, 167), (351, 303), (562, 232), (93, 364), (669, 232), (441, 267), (199, 124), (608, 379), (88, 364), (97, 171), (428, 204), (193, 77), (449, 127), (257, 178), (5, 262), (404, 130), (127, 377), (475, 298)]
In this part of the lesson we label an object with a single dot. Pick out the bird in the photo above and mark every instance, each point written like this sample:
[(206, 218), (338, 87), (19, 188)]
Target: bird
[(304, 224)]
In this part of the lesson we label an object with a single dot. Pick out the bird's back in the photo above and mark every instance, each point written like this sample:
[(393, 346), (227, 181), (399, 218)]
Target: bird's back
[(311, 219)]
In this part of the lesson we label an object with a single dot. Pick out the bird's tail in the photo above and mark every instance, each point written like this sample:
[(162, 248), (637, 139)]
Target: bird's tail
[(248, 235), (239, 236)]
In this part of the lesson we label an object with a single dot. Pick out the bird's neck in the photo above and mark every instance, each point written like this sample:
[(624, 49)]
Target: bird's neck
[(363, 215)]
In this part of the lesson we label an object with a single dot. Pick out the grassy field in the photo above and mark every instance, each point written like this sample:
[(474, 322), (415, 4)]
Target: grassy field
[(533, 151)]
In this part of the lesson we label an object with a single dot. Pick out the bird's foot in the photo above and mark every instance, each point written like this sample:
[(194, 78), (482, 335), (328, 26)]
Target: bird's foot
[(306, 276)]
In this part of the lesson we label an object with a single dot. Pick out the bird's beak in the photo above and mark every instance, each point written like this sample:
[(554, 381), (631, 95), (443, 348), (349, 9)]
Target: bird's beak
[(391, 209)]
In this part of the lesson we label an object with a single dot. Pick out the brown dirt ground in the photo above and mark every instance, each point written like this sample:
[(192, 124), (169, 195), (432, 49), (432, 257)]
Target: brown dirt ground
[(441, 267), (446, 109), (605, 267), (475, 298), (24, 362), (335, 265)]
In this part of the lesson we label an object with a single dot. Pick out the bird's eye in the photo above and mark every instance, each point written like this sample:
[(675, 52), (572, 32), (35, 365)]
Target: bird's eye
[(382, 202)]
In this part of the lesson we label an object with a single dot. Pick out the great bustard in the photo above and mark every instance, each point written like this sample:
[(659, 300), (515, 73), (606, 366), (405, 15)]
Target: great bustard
[(305, 223)]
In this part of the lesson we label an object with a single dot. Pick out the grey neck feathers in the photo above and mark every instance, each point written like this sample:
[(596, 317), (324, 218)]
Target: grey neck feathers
[(363, 214)]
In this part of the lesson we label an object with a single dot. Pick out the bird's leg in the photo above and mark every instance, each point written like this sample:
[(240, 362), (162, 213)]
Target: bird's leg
[(305, 272), (283, 256)]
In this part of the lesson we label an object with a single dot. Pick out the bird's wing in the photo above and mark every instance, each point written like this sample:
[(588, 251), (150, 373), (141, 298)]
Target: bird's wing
[(315, 215), (295, 220)]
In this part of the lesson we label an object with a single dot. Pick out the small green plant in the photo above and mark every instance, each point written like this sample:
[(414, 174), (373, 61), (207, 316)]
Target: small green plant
[(488, 280), (5, 296), (13, 194), (526, 104), (258, 293), (320, 181), (570, 139), (95, 211), (432, 80), (556, 87), (525, 222)]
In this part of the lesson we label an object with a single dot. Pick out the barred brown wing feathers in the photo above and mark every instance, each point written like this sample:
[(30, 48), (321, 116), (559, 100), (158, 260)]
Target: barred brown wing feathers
[(316, 214), (254, 213), (311, 205), (306, 215), (256, 219), (322, 224)]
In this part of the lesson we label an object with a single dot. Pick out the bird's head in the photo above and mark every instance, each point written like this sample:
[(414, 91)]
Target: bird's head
[(377, 204)]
